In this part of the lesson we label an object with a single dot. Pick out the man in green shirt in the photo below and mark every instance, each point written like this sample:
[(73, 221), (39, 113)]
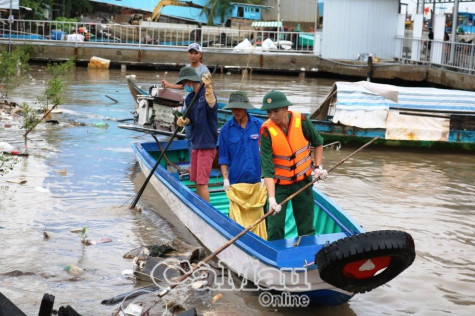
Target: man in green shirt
[(287, 166)]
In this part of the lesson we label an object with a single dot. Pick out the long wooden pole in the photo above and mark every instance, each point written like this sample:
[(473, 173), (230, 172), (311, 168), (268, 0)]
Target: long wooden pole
[(231, 241)]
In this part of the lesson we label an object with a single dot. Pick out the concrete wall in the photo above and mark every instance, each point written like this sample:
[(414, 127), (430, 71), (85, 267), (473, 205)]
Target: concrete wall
[(260, 62)]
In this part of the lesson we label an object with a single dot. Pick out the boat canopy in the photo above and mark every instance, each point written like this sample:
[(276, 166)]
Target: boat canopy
[(404, 112), (372, 97), (368, 95)]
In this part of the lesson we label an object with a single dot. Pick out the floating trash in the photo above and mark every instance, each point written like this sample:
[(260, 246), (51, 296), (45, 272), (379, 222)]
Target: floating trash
[(62, 172), (73, 270), (217, 297), (101, 125)]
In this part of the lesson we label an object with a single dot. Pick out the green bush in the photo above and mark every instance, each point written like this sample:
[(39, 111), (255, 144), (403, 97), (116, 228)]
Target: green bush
[(29, 116), (54, 87), (14, 63)]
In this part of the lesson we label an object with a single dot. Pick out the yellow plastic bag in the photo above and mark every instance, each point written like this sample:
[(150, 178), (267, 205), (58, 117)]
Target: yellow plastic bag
[(246, 205)]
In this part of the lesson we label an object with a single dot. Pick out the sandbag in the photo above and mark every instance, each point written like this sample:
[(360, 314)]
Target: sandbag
[(246, 205)]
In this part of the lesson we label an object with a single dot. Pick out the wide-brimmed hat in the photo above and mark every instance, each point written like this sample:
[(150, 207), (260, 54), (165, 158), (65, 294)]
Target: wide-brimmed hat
[(239, 100), (195, 46), (274, 100), (188, 73)]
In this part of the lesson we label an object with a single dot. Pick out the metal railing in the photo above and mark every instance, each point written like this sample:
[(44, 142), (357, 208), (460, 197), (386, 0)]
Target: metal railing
[(157, 34), (441, 54), (452, 56)]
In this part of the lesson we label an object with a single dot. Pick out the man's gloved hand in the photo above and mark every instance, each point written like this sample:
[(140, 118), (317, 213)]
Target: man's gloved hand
[(209, 95), (319, 173), (182, 122), (274, 206), (226, 185), (207, 80)]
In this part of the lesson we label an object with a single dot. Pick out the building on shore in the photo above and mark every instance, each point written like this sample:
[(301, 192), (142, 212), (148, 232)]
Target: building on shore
[(352, 27)]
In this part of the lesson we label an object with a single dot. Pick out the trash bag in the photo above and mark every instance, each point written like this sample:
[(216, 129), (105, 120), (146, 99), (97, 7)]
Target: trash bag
[(246, 205), (245, 45)]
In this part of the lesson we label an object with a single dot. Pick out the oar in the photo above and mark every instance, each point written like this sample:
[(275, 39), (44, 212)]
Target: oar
[(188, 108), (231, 241)]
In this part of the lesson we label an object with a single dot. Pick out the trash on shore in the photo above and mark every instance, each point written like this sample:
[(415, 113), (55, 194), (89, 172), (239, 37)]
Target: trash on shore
[(133, 310), (8, 149), (130, 295), (217, 297), (103, 240), (165, 262), (127, 272), (74, 123)]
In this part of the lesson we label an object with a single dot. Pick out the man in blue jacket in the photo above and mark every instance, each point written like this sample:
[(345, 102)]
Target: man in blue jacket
[(239, 143), (203, 117)]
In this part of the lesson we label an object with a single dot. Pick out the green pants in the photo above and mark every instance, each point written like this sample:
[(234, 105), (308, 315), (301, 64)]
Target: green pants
[(302, 205)]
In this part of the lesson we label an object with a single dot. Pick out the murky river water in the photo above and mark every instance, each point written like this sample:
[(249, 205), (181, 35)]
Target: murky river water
[(85, 176)]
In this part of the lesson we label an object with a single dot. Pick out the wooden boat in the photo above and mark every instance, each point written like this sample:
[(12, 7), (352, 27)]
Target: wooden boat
[(223, 114), (355, 112), (327, 268)]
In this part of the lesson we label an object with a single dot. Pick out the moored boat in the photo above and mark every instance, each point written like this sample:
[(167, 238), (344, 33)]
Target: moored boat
[(402, 117), (355, 112), (328, 268)]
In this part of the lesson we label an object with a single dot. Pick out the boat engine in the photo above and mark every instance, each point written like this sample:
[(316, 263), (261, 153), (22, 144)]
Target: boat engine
[(144, 112)]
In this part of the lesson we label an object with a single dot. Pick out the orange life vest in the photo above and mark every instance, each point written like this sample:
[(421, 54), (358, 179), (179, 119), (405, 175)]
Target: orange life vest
[(291, 152)]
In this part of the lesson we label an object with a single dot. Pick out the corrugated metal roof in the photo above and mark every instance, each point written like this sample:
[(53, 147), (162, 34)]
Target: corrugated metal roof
[(144, 5), (267, 24)]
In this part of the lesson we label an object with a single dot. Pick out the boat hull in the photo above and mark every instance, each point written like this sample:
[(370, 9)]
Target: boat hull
[(247, 256)]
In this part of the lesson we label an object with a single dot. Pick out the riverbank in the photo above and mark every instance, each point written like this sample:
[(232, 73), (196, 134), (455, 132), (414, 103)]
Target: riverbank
[(170, 58)]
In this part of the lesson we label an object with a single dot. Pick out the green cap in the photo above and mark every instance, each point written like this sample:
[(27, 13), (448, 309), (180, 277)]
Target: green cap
[(188, 73), (274, 100), (239, 100)]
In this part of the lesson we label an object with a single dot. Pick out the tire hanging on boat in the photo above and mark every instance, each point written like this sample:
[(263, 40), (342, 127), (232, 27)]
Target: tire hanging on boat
[(362, 262)]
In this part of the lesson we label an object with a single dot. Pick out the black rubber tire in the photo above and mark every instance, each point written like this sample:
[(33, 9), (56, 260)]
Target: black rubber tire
[(332, 258)]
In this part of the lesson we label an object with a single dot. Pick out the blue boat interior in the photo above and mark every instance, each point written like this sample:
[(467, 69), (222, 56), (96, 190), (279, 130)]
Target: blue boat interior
[(331, 223)]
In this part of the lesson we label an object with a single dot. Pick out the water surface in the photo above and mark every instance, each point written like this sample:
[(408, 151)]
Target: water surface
[(85, 176)]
